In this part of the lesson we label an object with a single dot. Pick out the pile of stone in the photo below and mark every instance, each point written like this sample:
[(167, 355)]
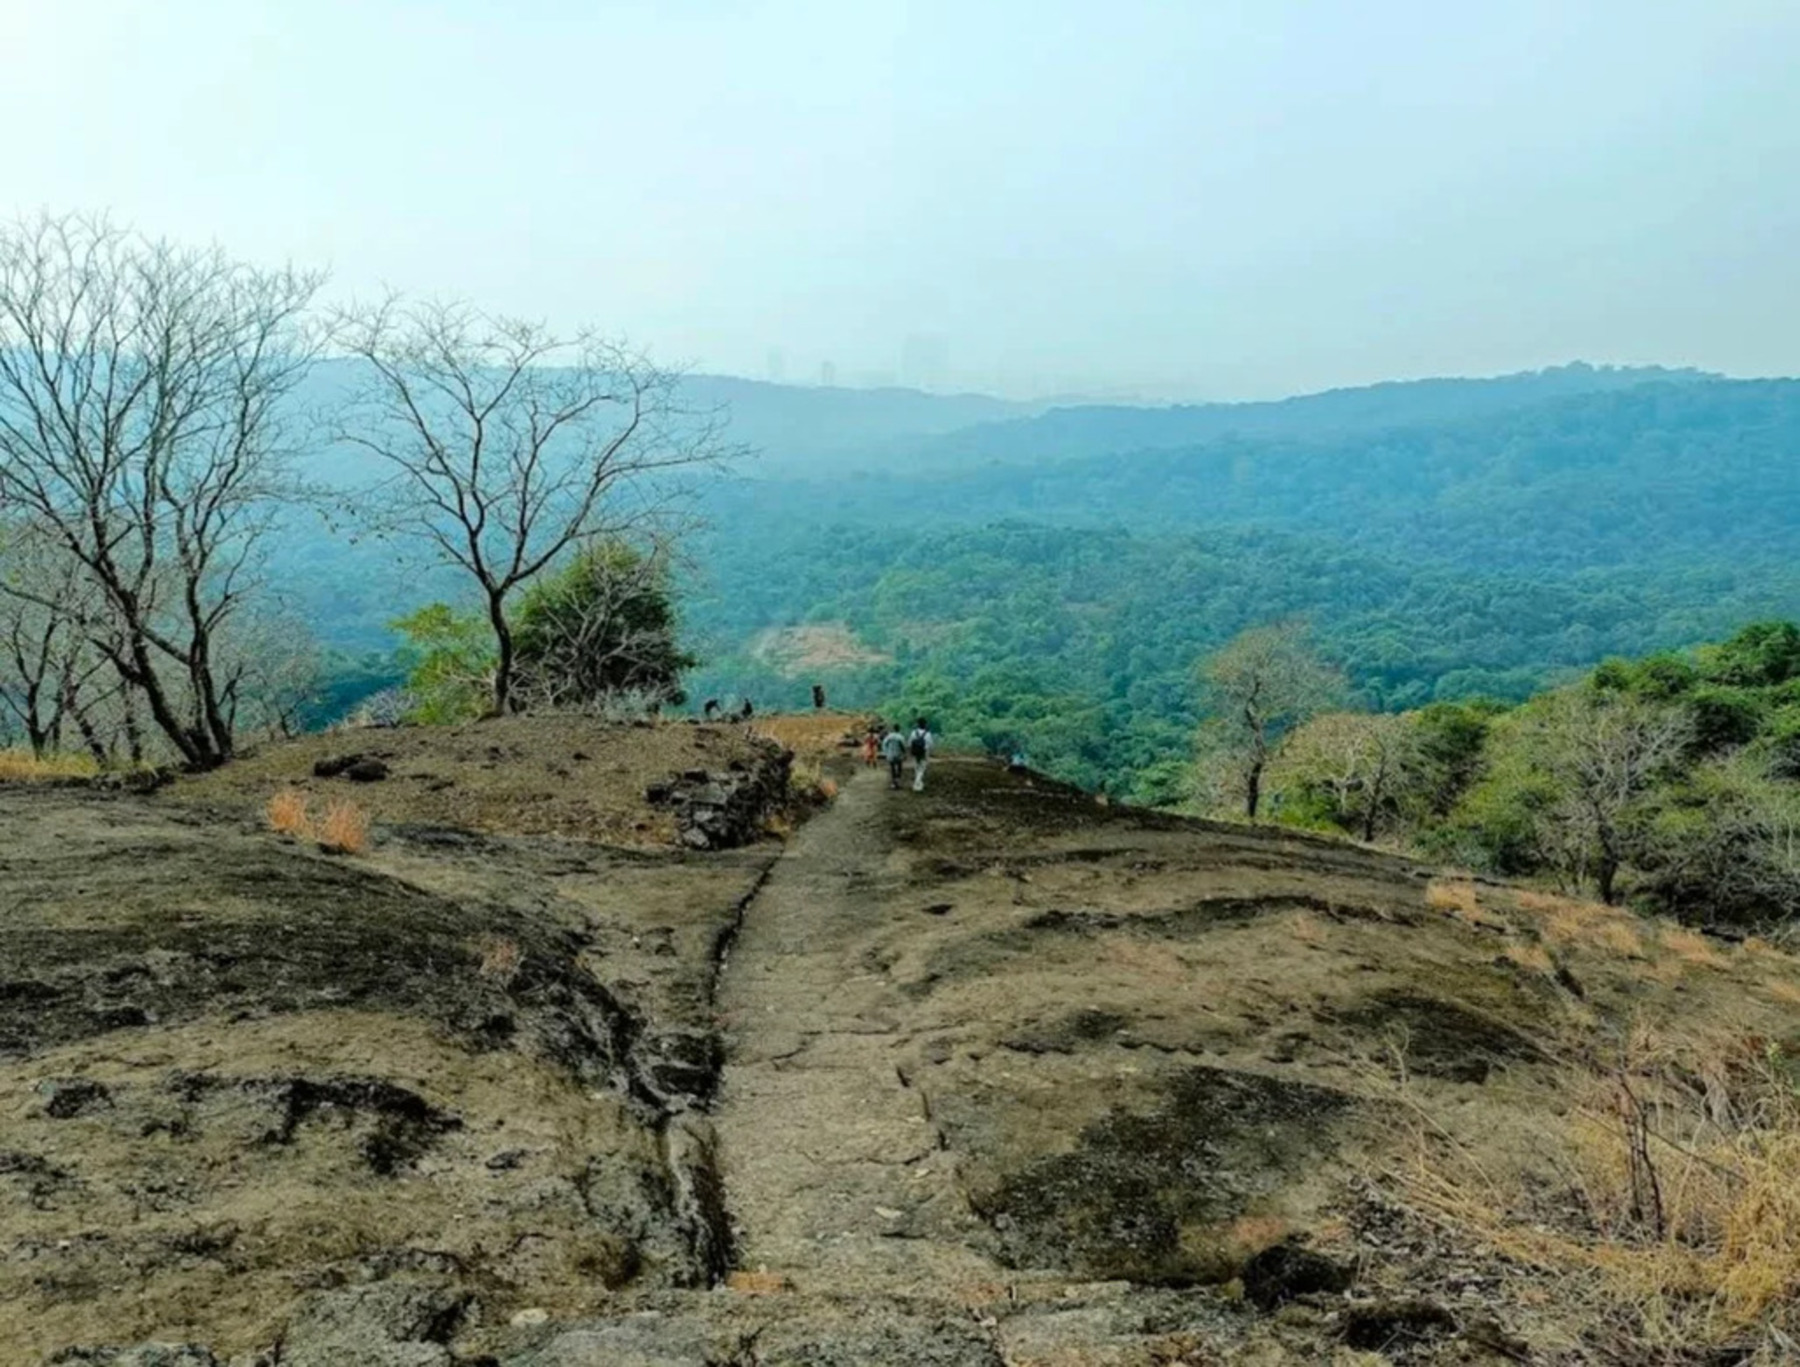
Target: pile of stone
[(720, 809)]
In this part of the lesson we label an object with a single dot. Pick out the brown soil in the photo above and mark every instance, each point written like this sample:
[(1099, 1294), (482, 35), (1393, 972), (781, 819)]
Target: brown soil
[(523, 775), (827, 646), (991, 1074)]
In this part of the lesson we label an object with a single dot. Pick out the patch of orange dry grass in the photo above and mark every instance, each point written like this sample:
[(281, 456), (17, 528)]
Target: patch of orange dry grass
[(1531, 955), (344, 829), (759, 1283), (1459, 897), (1784, 991), (1592, 925), (1689, 947), (21, 766), (286, 813)]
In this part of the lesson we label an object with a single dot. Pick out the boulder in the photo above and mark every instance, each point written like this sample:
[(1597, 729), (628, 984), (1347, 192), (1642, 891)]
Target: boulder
[(1279, 1274)]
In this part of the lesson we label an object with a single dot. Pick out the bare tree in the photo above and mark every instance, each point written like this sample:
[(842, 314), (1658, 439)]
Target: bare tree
[(43, 664), (510, 446), (141, 400), (1604, 752), (1259, 686)]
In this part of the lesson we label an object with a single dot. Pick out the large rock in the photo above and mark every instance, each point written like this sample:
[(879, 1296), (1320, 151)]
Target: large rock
[(389, 1324)]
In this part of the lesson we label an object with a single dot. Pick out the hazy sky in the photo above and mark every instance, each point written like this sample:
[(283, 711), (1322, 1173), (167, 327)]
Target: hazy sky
[(1185, 197)]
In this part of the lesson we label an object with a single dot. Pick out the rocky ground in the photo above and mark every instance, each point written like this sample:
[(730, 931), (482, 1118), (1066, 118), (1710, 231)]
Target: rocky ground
[(991, 1074)]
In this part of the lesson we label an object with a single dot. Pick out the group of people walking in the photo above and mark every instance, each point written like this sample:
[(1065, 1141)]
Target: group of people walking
[(887, 743)]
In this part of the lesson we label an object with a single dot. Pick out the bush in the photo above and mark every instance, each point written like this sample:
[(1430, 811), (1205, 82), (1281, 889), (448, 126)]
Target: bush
[(602, 627)]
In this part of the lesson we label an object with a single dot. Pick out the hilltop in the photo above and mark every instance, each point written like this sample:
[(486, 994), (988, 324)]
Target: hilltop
[(993, 1074)]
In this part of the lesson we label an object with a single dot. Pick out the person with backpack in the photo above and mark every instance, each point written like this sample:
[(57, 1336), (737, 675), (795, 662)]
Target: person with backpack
[(919, 745), (893, 750)]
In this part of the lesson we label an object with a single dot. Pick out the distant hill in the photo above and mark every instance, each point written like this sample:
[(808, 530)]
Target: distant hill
[(1093, 430), (1694, 470), (792, 429)]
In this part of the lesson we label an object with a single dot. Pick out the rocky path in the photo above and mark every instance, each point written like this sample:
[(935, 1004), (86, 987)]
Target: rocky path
[(833, 1170)]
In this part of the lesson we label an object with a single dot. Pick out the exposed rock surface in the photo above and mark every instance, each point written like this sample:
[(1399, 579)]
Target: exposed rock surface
[(989, 1075)]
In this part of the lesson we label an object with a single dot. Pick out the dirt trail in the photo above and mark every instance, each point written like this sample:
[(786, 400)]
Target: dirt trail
[(834, 1172)]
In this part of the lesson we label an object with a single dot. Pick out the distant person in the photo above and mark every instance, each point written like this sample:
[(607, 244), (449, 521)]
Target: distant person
[(711, 709), (748, 712), (872, 746), (919, 745), (893, 750), (819, 696)]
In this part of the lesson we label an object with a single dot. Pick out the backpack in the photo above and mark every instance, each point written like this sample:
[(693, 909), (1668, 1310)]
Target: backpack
[(918, 746)]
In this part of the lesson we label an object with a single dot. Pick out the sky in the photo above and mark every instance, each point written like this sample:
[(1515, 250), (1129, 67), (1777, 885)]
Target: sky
[(1183, 199)]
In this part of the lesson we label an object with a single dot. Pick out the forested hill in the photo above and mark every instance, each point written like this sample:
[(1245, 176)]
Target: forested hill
[(1704, 470), (1062, 605), (1061, 602), (1070, 432)]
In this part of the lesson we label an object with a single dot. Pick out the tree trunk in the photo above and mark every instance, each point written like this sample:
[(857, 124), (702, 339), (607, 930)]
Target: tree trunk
[(134, 731), (1253, 788), (503, 665), (1605, 876)]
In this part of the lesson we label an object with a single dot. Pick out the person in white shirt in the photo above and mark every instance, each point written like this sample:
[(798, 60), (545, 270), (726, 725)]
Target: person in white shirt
[(919, 745)]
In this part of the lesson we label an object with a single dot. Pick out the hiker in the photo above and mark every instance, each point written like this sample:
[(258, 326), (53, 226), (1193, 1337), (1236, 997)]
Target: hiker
[(919, 745), (871, 745), (893, 750), (819, 696)]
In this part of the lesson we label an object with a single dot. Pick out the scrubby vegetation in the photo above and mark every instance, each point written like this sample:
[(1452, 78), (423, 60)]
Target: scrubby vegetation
[(1668, 780)]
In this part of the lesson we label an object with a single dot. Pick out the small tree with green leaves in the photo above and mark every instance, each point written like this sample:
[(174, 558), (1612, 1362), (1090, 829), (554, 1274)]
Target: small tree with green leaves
[(449, 658), (601, 628)]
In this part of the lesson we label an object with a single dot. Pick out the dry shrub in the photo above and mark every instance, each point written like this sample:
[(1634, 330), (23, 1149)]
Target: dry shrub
[(1249, 1235), (759, 1283), (1593, 925), (21, 766), (345, 829), (1683, 1167), (1690, 947), (1531, 955), (828, 788), (286, 813), (1308, 929), (1788, 993), (498, 958), (1455, 896)]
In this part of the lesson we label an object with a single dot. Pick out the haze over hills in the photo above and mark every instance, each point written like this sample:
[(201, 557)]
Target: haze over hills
[(1445, 537)]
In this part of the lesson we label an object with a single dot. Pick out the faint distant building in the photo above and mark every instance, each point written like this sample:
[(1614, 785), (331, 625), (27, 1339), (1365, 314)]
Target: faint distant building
[(924, 361), (828, 373)]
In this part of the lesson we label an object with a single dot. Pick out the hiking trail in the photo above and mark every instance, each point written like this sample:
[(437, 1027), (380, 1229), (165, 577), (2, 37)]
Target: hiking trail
[(833, 1171)]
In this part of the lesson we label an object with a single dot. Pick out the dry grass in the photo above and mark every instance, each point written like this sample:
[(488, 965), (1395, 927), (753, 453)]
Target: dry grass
[(1308, 929), (1680, 1228), (499, 958), (1531, 955), (1783, 991), (286, 813), (759, 1283), (344, 829), (1590, 925), (1459, 898), (1689, 947), (21, 766)]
